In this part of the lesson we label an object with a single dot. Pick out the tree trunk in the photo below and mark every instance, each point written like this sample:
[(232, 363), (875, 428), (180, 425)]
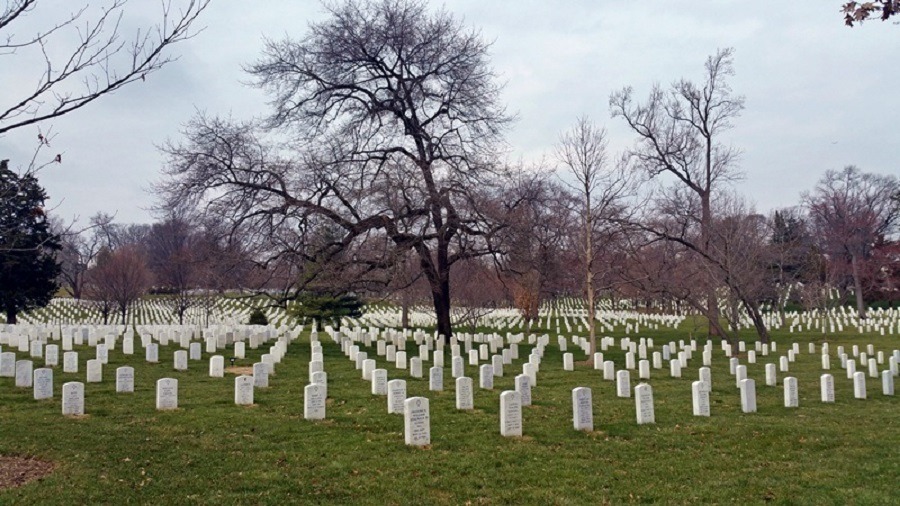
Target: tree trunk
[(857, 287), (441, 297), (404, 311), (712, 299), (11, 313), (752, 308)]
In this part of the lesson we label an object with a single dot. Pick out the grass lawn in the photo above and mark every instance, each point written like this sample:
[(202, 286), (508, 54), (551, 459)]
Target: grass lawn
[(211, 451)]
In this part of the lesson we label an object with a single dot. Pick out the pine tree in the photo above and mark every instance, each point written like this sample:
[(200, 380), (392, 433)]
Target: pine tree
[(28, 266)]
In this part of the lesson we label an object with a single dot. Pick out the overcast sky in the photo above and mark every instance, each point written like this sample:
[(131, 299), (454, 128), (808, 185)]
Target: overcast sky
[(818, 95)]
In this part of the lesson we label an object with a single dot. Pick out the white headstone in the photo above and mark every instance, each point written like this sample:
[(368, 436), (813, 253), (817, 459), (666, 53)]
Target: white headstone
[(73, 398), (43, 383), (748, 396), (36, 349), (771, 378), (643, 399), (7, 364), (510, 413), (102, 353), (367, 367), (181, 360), (24, 373), (216, 366), (497, 364), (195, 350), (486, 377), (700, 396), (827, 387), (379, 382), (416, 422), (530, 370), (675, 368), (166, 394), (783, 364), (523, 386), (51, 355), (887, 382), (313, 402), (243, 390), (859, 385), (740, 374), (609, 370), (791, 396), (415, 367), (644, 369), (464, 394), (457, 367), (705, 375), (260, 375), (568, 362), (240, 349), (320, 378), (396, 389), (124, 379), (436, 379), (623, 383), (70, 362), (151, 353), (94, 371), (583, 409)]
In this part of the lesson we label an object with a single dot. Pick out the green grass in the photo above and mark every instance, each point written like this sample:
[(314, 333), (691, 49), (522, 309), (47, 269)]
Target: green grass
[(210, 451)]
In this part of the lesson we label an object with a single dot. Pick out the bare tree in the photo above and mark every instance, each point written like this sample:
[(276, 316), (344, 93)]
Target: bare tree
[(602, 189), (119, 279), (850, 210), (740, 255), (100, 61), (395, 116), (80, 247), (679, 135), (176, 260), (536, 258)]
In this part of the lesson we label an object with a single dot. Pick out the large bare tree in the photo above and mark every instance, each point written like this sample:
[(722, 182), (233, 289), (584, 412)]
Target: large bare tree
[(601, 188), (850, 211), (118, 280), (83, 54), (679, 136), (392, 120), (536, 261)]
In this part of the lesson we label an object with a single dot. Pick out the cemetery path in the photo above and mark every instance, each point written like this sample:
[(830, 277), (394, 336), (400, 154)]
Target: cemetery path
[(17, 471)]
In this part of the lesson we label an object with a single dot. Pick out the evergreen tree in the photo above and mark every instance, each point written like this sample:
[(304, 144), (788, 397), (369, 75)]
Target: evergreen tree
[(28, 266), (325, 308)]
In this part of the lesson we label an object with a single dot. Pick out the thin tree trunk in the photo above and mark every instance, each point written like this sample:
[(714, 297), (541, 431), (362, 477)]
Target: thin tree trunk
[(589, 264), (752, 308), (404, 311), (11, 314), (857, 287), (712, 299)]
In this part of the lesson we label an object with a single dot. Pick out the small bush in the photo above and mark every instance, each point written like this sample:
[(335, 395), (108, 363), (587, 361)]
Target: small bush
[(257, 317)]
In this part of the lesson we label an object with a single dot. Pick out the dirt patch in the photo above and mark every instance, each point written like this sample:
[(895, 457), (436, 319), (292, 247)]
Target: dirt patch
[(17, 471), (240, 370)]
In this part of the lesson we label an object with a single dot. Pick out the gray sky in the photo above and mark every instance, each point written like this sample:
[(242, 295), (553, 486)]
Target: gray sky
[(818, 95)]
